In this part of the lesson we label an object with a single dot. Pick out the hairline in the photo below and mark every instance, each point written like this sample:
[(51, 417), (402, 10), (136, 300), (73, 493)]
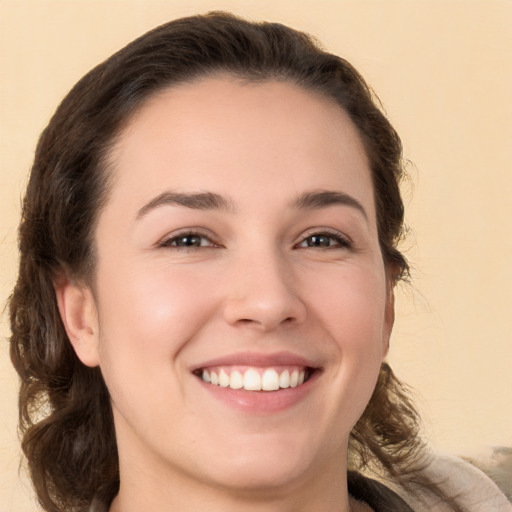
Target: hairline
[(106, 167)]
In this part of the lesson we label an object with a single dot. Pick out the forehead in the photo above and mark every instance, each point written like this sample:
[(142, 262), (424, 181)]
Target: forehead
[(222, 133)]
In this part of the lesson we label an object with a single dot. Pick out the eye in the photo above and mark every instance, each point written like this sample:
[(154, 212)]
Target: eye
[(187, 240), (325, 241)]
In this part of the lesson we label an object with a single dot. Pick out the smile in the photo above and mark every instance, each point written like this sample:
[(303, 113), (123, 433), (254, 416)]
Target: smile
[(255, 378)]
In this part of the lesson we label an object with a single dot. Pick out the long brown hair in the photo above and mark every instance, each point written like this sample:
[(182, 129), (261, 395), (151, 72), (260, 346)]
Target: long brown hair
[(65, 415)]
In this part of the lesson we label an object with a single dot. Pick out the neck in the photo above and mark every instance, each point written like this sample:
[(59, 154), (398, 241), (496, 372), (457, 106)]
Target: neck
[(219, 502), (164, 490)]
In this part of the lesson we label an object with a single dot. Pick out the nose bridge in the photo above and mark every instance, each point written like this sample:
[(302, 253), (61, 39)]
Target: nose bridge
[(262, 290)]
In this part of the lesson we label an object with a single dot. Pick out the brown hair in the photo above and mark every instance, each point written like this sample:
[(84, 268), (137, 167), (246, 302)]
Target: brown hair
[(65, 415)]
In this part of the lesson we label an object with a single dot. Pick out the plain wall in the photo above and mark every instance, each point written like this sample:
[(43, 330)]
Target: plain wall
[(443, 70)]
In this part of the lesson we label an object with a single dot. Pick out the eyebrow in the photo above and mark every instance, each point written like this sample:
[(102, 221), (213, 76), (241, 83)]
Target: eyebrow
[(311, 200), (197, 201), (317, 199)]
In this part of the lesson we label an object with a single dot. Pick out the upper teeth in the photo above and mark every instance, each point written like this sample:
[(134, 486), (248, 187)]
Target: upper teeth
[(255, 379)]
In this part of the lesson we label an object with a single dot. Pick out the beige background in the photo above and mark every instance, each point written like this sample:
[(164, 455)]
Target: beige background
[(443, 69)]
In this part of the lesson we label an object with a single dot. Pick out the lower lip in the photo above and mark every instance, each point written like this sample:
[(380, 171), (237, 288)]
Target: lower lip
[(262, 401)]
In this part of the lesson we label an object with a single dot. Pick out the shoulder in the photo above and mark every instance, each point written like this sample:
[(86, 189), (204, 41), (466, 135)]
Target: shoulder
[(470, 488), (376, 495)]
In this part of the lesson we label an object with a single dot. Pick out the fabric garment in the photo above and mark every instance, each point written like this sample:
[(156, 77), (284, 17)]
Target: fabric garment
[(375, 494), (471, 489)]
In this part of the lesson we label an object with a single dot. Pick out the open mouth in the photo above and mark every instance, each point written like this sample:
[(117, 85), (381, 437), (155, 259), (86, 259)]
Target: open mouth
[(255, 378)]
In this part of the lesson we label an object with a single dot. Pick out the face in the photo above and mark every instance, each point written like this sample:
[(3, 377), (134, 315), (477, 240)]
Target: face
[(238, 250)]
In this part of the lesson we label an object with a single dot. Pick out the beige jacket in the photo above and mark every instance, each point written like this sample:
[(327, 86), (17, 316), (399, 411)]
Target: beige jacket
[(473, 490)]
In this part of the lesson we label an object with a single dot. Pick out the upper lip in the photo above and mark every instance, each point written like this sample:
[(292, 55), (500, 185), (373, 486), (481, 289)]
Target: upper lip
[(256, 359)]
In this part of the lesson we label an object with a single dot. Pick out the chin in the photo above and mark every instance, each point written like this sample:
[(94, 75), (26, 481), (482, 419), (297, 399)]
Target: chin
[(270, 467), (262, 477)]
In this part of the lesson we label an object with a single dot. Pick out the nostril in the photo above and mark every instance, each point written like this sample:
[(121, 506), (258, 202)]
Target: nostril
[(266, 323)]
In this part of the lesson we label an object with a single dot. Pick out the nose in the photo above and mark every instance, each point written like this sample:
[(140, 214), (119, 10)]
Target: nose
[(263, 294)]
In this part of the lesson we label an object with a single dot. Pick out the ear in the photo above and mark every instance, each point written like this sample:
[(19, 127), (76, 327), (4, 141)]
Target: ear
[(389, 316), (78, 312)]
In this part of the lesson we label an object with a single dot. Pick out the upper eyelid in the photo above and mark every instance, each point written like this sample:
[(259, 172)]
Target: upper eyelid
[(206, 233), (342, 241), (324, 231), (190, 232)]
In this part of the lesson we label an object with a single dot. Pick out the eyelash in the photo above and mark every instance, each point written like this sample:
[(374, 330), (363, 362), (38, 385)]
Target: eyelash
[(171, 241), (340, 241)]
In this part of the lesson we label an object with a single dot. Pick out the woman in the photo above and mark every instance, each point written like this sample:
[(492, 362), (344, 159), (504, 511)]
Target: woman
[(205, 296)]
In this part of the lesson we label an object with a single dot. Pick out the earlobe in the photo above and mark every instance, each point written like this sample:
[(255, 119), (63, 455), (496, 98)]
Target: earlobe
[(79, 315)]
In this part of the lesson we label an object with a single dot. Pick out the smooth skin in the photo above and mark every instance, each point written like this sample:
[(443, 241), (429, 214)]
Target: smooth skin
[(253, 271)]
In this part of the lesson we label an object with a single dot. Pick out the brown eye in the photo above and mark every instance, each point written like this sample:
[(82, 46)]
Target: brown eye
[(319, 241), (325, 241), (187, 241)]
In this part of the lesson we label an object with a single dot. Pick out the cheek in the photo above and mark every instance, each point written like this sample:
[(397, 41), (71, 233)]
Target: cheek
[(353, 314), (348, 305), (145, 321), (351, 304), (147, 318)]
